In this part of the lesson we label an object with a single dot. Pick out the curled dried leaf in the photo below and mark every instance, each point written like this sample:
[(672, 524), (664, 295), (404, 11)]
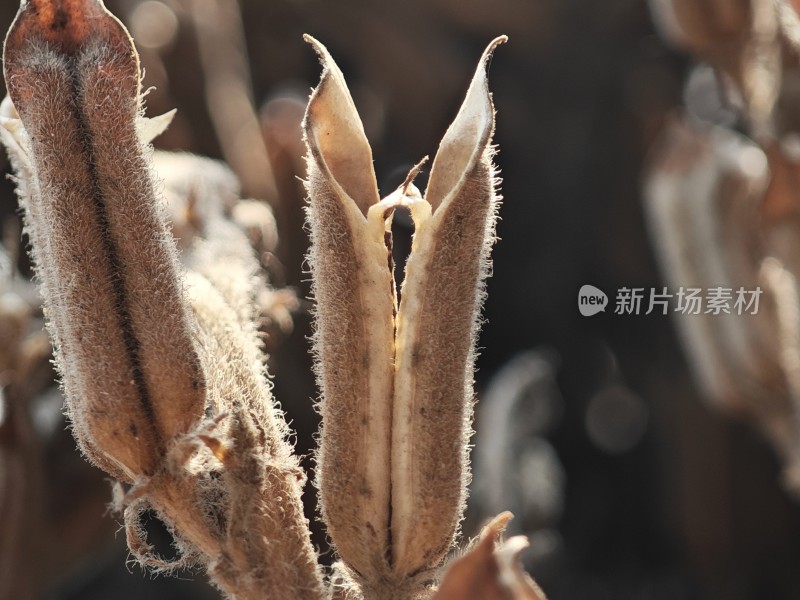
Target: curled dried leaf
[(490, 570)]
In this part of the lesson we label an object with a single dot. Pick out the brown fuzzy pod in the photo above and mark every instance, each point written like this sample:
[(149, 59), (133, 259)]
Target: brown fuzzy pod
[(396, 390), (436, 334), (103, 253), (265, 544), (705, 189), (354, 339), (702, 194)]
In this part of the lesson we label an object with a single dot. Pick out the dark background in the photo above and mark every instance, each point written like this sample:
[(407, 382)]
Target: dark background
[(690, 506)]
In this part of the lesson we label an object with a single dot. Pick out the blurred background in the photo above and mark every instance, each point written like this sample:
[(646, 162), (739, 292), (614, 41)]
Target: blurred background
[(590, 429)]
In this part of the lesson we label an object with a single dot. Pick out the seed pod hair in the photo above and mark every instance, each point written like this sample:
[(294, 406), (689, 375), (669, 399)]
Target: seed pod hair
[(103, 253)]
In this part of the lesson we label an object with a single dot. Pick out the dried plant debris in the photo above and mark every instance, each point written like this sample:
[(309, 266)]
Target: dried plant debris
[(396, 380), (516, 468)]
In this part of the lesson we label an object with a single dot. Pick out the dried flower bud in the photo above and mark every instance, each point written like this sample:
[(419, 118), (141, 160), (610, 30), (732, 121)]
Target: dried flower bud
[(103, 253), (397, 392)]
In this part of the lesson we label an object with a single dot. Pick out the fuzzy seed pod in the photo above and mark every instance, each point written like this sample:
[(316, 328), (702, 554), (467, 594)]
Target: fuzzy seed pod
[(354, 339), (103, 253), (166, 390), (436, 334), (706, 187), (702, 194), (396, 381), (265, 544)]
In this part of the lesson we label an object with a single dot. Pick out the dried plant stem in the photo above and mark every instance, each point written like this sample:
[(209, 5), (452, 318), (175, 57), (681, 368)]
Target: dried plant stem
[(21, 480), (229, 94)]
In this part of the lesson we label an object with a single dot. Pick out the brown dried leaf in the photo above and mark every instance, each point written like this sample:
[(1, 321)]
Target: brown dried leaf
[(490, 570)]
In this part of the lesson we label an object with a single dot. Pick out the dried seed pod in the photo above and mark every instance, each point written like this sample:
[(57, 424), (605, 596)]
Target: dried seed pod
[(702, 194), (396, 404), (103, 253), (233, 487), (705, 190), (265, 544), (354, 339), (436, 334), (167, 395)]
